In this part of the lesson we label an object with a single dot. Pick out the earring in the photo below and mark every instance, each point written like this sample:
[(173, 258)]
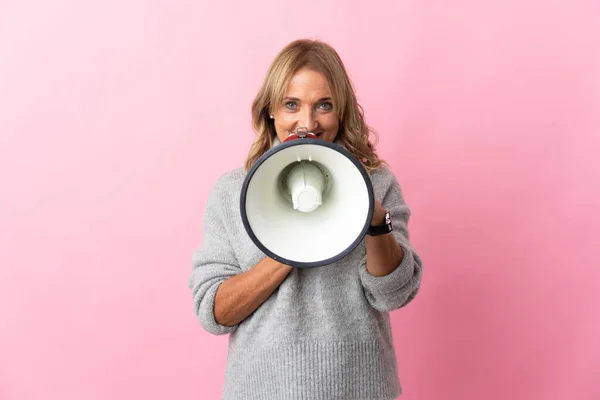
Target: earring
[(271, 116)]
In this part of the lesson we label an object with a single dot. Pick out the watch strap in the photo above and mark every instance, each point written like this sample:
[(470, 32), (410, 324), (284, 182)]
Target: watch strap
[(375, 230)]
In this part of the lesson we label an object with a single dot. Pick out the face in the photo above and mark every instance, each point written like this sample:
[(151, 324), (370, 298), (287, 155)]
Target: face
[(306, 103)]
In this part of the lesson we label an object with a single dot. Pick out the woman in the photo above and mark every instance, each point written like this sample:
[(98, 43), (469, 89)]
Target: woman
[(306, 333)]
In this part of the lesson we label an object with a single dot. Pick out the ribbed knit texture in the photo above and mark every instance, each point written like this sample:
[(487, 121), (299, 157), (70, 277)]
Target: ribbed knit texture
[(325, 333), (316, 370)]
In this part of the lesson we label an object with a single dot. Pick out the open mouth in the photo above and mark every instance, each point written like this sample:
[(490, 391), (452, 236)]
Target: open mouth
[(317, 134)]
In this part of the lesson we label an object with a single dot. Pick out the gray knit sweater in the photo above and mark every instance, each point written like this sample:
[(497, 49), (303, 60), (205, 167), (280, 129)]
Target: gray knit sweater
[(325, 332)]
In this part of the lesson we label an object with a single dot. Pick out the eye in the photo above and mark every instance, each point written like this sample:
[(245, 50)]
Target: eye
[(327, 106), (290, 105)]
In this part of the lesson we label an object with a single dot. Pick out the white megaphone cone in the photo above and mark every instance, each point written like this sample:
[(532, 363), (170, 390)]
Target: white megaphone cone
[(307, 202)]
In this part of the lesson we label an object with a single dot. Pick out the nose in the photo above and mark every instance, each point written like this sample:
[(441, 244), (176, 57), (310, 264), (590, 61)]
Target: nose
[(308, 120)]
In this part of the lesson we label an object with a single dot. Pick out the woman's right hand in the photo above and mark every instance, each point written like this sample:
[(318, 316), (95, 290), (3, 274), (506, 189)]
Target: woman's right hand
[(239, 296)]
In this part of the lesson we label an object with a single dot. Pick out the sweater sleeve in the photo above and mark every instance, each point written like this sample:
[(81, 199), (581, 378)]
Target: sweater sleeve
[(398, 288), (212, 263)]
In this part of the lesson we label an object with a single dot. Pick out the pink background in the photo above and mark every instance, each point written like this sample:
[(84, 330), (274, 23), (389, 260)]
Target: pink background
[(115, 117)]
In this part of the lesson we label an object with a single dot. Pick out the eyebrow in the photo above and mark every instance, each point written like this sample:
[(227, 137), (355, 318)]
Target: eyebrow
[(297, 99)]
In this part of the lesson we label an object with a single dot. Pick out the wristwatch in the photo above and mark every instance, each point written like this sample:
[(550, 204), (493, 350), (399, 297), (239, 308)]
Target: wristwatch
[(375, 230)]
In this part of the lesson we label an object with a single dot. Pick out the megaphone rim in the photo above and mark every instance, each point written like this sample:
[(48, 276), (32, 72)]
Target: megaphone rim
[(319, 142)]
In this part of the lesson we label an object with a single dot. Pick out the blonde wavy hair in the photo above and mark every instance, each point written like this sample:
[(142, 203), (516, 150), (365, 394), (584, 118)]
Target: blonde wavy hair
[(353, 134)]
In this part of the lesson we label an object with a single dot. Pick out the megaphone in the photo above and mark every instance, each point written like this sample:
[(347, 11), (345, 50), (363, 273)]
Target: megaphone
[(307, 202)]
